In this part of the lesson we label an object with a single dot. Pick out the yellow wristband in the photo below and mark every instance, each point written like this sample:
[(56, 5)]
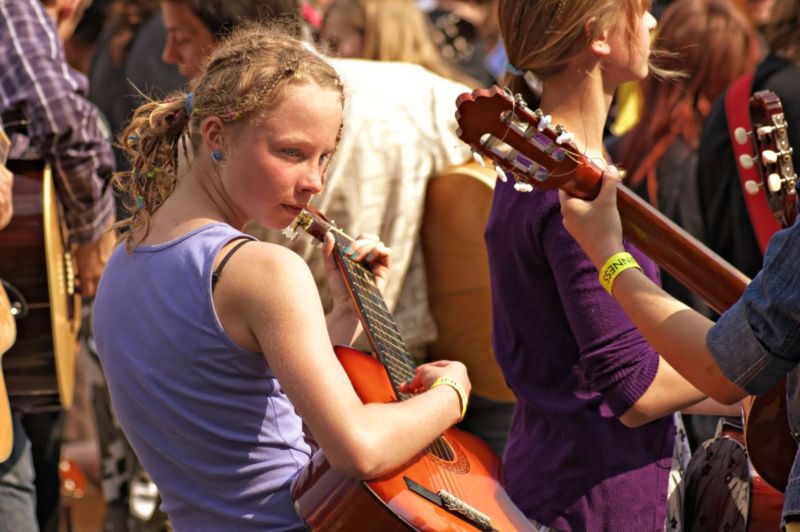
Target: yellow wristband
[(615, 265), (462, 394)]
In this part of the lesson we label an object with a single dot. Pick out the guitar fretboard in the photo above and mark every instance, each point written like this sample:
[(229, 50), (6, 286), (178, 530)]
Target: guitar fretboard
[(379, 325)]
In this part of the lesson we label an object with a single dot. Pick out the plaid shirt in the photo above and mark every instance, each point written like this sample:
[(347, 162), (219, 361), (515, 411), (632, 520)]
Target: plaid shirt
[(62, 126)]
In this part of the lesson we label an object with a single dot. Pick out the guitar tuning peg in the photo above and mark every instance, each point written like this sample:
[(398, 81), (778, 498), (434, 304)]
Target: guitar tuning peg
[(501, 174), (752, 187), (774, 183), (769, 157), (479, 159), (763, 131), (746, 161), (741, 135), (520, 101), (545, 121), (564, 137), (290, 232), (521, 186)]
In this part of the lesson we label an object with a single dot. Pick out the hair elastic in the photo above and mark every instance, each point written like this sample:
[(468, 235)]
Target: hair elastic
[(189, 103), (511, 69)]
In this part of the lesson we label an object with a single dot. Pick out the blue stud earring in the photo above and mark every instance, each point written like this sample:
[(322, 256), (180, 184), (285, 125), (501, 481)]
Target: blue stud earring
[(217, 156)]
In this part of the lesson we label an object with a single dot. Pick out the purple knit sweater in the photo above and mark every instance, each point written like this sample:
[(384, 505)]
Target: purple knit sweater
[(576, 363)]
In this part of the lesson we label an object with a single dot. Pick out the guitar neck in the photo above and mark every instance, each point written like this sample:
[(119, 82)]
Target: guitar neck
[(378, 322), (688, 260)]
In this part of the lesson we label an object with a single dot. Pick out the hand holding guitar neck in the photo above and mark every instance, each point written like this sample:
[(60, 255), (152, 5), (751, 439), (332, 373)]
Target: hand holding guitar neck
[(596, 227), (365, 248)]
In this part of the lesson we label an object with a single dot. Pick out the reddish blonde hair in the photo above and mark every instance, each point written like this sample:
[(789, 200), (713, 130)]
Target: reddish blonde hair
[(712, 44)]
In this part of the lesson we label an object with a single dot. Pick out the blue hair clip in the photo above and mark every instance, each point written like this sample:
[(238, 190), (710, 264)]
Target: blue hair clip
[(189, 103), (511, 69)]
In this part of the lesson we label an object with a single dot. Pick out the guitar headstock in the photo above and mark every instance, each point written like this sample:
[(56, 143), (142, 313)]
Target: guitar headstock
[(772, 156), (523, 144), (312, 222)]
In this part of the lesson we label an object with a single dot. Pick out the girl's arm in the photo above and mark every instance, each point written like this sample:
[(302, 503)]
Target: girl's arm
[(676, 331), (269, 303)]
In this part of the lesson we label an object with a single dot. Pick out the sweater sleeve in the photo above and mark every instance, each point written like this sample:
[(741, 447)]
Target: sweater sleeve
[(615, 360)]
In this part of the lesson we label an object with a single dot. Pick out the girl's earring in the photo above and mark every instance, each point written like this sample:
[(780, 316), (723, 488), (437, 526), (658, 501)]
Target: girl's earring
[(217, 156)]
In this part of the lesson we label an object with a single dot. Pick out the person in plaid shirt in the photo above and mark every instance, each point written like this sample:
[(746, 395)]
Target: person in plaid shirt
[(38, 90)]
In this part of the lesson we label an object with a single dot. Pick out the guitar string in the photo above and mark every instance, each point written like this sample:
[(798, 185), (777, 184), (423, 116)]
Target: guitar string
[(393, 361)]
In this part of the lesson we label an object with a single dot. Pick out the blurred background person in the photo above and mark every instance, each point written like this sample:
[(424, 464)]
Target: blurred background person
[(710, 44), (727, 227), (385, 30)]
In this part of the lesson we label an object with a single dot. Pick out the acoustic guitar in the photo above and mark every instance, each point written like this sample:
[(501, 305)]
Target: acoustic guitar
[(523, 145), (39, 271), (451, 485)]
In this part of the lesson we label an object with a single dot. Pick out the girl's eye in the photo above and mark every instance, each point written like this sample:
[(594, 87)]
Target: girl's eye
[(292, 152), (323, 160)]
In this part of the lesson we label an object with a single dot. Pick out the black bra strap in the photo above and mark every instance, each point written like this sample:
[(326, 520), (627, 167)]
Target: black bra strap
[(218, 272)]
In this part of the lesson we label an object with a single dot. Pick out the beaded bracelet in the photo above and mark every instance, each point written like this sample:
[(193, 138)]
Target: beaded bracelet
[(615, 265), (462, 394)]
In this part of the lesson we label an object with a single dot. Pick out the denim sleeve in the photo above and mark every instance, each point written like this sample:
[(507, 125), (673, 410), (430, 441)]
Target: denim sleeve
[(757, 341)]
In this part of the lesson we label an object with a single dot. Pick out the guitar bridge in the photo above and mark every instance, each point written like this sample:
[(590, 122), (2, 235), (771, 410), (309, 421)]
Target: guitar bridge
[(454, 505)]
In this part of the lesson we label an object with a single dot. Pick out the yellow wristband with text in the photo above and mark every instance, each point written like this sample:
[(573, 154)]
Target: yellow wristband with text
[(615, 265), (462, 394)]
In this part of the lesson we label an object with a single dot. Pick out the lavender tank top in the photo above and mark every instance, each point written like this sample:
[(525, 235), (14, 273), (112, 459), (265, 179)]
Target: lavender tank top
[(207, 418)]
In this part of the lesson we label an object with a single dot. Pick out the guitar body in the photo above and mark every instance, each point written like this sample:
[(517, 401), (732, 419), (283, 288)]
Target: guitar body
[(39, 369), (767, 436), (328, 500)]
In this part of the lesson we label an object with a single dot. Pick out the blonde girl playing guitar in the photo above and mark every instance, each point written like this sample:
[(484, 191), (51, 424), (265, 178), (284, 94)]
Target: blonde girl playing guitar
[(209, 370)]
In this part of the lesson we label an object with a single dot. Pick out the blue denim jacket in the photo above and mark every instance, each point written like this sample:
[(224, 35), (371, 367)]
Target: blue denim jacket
[(757, 342)]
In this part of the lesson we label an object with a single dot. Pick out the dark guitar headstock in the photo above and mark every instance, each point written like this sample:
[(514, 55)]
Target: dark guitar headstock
[(524, 144), (772, 156)]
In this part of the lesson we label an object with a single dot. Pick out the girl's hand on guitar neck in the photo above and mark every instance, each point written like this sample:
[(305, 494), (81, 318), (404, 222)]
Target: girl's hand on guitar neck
[(595, 224), (367, 248), (343, 321)]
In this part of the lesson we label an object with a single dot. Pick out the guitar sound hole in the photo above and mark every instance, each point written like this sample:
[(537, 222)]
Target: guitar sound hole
[(442, 450)]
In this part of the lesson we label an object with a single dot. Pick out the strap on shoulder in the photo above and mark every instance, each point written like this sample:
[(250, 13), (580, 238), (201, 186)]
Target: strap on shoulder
[(218, 272), (737, 105)]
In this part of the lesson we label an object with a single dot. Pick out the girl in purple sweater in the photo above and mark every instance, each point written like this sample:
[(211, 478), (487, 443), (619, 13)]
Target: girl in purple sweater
[(593, 440)]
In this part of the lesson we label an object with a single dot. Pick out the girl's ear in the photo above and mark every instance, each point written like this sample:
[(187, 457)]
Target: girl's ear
[(212, 130), (599, 44)]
